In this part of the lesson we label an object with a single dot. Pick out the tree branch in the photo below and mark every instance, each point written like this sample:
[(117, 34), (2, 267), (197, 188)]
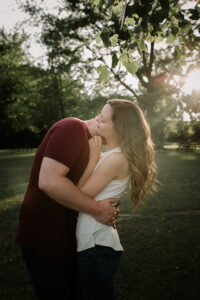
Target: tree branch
[(117, 77), (149, 69), (144, 59), (139, 76), (120, 80)]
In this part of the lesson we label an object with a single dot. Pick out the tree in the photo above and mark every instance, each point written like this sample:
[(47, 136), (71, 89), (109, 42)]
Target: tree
[(13, 84), (134, 31), (152, 40), (32, 98)]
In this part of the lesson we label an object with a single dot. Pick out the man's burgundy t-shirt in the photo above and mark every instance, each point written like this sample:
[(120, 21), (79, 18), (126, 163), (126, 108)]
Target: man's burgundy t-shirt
[(45, 226)]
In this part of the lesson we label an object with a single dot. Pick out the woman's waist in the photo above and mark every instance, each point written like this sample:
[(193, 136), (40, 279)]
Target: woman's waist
[(86, 224)]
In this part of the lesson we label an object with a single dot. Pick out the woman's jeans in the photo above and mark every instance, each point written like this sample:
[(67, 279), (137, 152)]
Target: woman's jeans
[(97, 267)]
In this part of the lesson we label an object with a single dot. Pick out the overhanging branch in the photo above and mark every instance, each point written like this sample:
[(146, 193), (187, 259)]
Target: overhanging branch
[(149, 69)]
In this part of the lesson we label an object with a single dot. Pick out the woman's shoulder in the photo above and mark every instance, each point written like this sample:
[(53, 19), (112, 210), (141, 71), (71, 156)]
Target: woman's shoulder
[(118, 161), (118, 156)]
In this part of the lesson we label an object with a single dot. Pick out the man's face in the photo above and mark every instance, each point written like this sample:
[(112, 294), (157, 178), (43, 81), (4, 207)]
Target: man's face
[(105, 127), (93, 126)]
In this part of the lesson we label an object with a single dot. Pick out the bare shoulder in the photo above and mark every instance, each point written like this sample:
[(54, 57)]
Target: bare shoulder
[(118, 157), (119, 163)]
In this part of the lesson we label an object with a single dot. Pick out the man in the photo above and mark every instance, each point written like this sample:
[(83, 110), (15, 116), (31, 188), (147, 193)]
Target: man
[(48, 214)]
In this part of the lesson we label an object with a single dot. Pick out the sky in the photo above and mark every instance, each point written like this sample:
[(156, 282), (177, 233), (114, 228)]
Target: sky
[(11, 14)]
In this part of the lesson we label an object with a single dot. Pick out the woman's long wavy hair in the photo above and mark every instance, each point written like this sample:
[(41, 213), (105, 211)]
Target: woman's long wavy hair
[(134, 137)]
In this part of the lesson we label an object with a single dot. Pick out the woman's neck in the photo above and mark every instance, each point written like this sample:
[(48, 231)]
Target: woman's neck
[(111, 144)]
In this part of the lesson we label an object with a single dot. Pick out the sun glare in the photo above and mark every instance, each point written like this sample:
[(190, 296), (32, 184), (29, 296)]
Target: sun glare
[(192, 82)]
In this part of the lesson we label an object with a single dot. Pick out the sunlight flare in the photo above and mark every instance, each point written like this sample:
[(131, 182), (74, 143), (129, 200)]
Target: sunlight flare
[(192, 82)]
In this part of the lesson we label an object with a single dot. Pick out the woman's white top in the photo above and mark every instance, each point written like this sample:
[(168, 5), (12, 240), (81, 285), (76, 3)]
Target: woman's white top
[(89, 232)]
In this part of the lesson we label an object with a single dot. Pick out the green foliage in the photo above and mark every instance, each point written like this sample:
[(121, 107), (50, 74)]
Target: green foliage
[(103, 73), (13, 83), (129, 33), (114, 60), (32, 98), (129, 63), (151, 22), (142, 25), (105, 37)]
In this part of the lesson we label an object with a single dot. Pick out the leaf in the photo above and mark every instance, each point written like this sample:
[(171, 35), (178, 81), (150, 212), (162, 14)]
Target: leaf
[(98, 37), (170, 39), (123, 58), (149, 38), (105, 37), (113, 40), (129, 64), (117, 9), (195, 15), (175, 30), (158, 39), (131, 47), (174, 20), (96, 2), (141, 45), (114, 60), (131, 67), (104, 73), (129, 21)]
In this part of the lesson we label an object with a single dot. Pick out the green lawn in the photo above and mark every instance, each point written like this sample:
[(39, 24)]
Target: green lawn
[(162, 241)]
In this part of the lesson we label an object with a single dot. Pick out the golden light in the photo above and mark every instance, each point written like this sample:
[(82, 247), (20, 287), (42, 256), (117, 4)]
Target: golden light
[(192, 82)]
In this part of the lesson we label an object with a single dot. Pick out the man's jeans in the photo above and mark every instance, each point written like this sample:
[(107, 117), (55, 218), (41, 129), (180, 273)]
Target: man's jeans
[(52, 279), (97, 267)]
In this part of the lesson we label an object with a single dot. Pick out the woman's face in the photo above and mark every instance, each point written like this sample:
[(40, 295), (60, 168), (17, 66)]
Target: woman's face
[(105, 126)]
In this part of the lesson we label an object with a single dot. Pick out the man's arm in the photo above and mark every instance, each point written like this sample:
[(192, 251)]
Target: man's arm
[(53, 181), (110, 168)]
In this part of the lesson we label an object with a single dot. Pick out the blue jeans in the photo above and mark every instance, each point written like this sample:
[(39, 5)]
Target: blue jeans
[(97, 267)]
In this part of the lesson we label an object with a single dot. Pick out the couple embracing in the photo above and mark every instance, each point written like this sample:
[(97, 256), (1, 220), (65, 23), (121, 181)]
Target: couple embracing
[(67, 225)]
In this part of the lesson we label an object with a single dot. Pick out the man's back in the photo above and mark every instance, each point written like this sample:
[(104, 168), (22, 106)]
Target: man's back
[(46, 226)]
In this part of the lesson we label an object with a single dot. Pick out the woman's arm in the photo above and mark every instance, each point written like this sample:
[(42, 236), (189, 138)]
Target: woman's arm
[(110, 168), (54, 183), (95, 150)]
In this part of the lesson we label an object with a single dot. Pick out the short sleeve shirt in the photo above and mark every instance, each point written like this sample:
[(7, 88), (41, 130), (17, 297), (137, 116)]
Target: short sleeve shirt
[(44, 225)]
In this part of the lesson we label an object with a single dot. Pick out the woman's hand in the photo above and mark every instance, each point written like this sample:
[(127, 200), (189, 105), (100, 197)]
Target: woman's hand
[(95, 149)]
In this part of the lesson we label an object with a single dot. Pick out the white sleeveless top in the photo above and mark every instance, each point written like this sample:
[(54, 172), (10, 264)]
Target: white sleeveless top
[(89, 232)]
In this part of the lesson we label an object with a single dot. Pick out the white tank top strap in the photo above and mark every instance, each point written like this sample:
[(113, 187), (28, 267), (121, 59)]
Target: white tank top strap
[(106, 154)]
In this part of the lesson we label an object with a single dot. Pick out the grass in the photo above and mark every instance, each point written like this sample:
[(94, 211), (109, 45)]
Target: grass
[(161, 241)]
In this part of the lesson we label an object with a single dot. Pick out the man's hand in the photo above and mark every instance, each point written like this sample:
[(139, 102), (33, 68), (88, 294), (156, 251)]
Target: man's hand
[(108, 211)]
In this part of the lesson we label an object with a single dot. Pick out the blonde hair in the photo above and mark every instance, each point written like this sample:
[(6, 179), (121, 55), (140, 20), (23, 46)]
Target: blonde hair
[(134, 137)]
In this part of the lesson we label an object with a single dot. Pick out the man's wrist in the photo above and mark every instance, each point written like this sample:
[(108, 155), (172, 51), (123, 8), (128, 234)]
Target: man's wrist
[(94, 209)]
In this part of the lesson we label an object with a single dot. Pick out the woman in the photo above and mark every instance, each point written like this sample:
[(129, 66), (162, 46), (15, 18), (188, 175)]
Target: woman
[(128, 158)]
